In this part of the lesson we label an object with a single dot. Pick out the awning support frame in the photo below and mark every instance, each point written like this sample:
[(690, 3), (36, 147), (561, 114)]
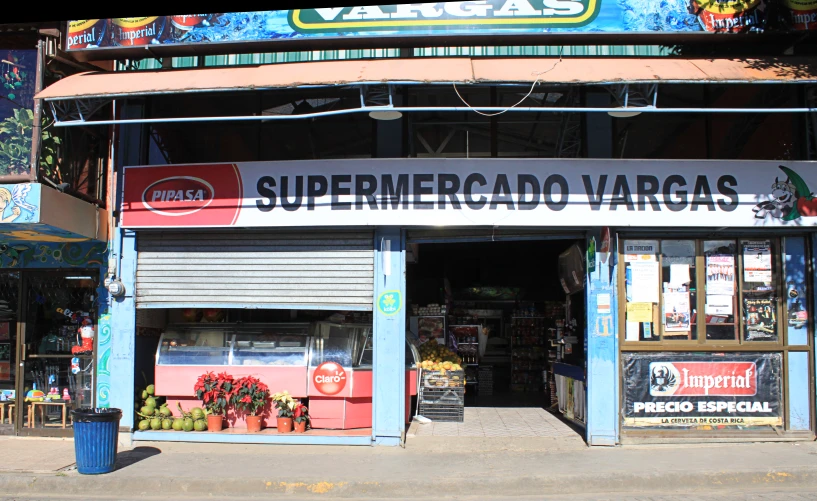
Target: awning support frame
[(76, 112)]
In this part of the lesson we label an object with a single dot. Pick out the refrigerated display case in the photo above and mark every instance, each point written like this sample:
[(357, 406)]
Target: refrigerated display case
[(285, 356), (346, 351)]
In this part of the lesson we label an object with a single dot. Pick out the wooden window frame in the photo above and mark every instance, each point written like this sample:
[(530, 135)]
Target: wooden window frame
[(701, 343)]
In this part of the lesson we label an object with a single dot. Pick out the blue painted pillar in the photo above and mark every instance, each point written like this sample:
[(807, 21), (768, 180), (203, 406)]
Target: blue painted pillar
[(123, 329), (602, 347), (797, 364), (389, 397)]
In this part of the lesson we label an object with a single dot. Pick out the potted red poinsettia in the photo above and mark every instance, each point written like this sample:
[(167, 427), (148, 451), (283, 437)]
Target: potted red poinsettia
[(301, 417), (250, 395), (214, 391)]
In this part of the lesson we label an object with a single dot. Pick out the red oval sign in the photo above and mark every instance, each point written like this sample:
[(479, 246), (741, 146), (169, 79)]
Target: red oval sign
[(329, 378), (178, 195)]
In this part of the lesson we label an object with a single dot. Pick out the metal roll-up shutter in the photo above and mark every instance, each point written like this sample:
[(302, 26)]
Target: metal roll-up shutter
[(255, 269)]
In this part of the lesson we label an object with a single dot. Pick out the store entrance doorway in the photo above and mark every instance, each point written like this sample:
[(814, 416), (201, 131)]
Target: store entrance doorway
[(511, 314), (47, 349)]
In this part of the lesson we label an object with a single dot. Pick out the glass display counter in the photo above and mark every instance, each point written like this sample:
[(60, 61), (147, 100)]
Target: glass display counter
[(271, 344), (328, 363), (234, 344), (352, 345), (194, 345)]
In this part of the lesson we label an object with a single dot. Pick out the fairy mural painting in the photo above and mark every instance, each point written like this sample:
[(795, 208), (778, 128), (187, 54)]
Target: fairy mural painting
[(791, 199), (15, 203)]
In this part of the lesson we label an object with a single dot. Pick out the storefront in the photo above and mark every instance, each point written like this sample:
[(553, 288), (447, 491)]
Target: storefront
[(269, 213), (53, 309), (269, 263)]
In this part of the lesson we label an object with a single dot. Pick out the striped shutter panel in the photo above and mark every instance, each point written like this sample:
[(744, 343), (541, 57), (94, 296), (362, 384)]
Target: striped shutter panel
[(255, 269)]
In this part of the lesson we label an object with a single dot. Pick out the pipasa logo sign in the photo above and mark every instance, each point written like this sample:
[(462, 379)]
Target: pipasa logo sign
[(185, 195), (724, 379), (178, 195), (329, 378)]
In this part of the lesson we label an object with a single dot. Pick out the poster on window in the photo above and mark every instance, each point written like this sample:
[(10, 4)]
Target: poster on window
[(677, 390), (720, 275), (760, 319), (757, 261), (640, 250), (642, 282), (676, 311)]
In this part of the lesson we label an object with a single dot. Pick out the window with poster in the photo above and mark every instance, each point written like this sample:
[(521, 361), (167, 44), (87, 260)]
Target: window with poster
[(705, 327), (701, 292)]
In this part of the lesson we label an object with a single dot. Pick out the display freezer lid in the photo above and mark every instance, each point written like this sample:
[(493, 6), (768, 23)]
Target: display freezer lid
[(578, 70)]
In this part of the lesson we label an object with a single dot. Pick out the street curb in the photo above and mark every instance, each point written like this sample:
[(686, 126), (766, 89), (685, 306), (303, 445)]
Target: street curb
[(581, 483)]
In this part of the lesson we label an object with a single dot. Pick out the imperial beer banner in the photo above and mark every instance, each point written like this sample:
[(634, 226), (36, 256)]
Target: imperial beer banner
[(477, 17), (472, 192), (674, 390)]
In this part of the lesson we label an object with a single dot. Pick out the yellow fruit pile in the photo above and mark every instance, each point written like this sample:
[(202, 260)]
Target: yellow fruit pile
[(436, 357)]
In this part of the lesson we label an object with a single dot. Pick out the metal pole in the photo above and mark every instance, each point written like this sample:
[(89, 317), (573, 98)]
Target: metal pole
[(37, 128), (366, 109)]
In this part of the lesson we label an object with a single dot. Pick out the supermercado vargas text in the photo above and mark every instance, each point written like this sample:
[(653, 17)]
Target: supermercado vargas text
[(477, 191)]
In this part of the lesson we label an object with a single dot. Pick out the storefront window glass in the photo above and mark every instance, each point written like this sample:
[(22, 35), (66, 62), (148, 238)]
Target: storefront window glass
[(759, 291), (740, 280), (678, 290), (641, 277), (720, 302)]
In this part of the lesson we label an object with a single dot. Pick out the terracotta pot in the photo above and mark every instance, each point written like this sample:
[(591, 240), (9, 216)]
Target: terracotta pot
[(284, 425), (300, 427), (215, 423), (253, 423)]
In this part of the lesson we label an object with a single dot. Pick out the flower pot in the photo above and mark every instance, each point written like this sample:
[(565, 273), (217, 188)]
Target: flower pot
[(253, 423), (284, 425), (215, 423), (300, 427)]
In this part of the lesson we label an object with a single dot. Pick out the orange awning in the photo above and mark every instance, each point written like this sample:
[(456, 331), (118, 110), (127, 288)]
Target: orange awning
[(580, 71)]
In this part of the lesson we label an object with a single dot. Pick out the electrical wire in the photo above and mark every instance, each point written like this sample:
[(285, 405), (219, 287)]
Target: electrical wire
[(538, 74)]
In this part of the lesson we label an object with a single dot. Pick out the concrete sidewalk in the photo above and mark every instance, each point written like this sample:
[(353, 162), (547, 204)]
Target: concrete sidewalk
[(254, 471)]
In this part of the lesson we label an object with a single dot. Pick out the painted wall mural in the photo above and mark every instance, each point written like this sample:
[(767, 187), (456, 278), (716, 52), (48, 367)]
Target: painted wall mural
[(17, 69), (22, 254), (19, 203), (103, 357)]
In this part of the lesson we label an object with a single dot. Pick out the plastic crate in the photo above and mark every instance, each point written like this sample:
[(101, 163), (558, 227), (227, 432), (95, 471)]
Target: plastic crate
[(442, 412), (435, 379), (447, 396)]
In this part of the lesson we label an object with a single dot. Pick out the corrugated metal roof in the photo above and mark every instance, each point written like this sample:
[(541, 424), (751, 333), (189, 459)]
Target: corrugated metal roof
[(345, 54), (435, 70)]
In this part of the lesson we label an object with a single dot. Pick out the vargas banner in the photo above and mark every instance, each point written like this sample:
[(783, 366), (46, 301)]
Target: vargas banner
[(680, 390), (467, 192), (476, 17)]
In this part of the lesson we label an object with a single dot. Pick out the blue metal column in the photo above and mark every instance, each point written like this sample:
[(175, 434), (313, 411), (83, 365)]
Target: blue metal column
[(602, 348), (121, 359), (123, 330), (389, 385)]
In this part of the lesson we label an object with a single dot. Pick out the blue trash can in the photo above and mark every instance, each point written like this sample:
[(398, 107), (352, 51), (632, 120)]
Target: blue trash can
[(96, 434)]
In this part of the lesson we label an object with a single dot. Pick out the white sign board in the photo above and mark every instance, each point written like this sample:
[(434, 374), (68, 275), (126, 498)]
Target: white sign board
[(472, 192)]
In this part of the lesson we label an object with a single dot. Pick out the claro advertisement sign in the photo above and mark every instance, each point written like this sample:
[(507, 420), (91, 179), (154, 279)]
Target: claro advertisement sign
[(678, 390), (464, 192)]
